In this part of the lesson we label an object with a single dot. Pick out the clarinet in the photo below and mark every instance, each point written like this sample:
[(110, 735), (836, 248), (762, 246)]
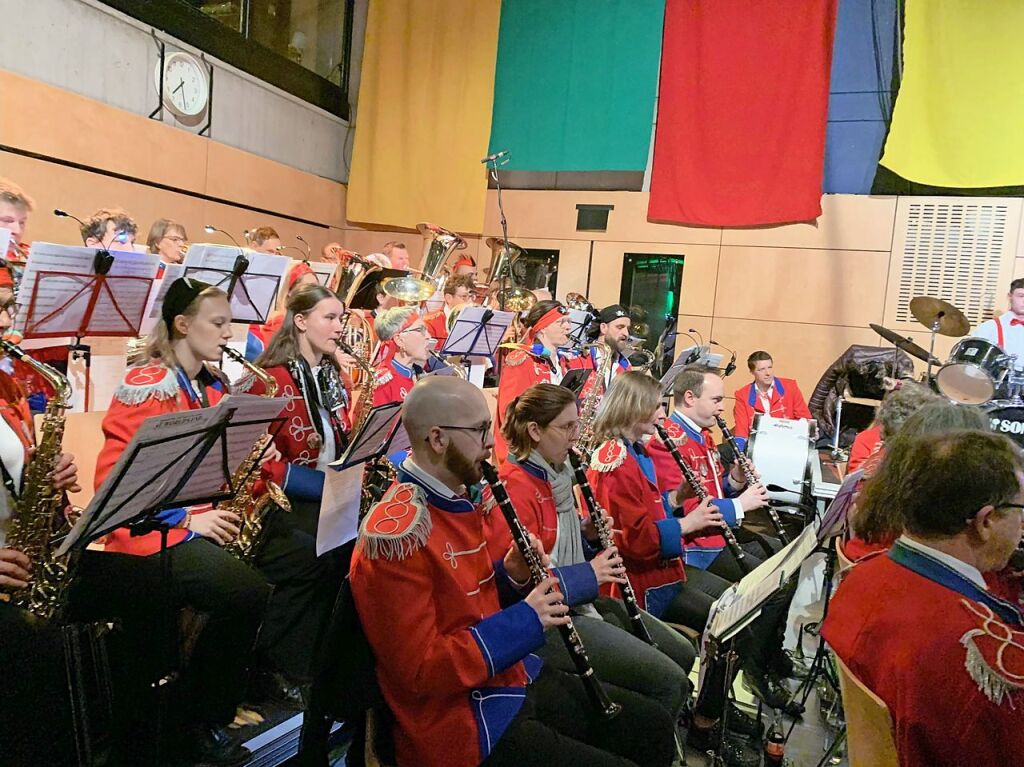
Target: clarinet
[(606, 708), (748, 473), (604, 534), (703, 495)]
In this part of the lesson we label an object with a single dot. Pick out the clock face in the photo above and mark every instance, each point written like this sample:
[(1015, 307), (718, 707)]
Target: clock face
[(186, 91)]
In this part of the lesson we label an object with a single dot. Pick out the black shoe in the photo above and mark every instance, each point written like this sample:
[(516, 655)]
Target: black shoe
[(740, 722), (735, 751), (784, 667), (772, 692), (211, 746), (278, 688)]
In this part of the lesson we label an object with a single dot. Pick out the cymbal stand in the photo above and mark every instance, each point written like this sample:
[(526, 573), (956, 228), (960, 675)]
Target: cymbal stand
[(931, 345)]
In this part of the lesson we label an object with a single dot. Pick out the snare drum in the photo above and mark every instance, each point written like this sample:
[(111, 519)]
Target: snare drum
[(781, 450), (1008, 421), (972, 375)]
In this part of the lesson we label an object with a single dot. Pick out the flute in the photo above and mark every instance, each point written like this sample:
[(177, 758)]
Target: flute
[(703, 495), (604, 534), (748, 473), (606, 707)]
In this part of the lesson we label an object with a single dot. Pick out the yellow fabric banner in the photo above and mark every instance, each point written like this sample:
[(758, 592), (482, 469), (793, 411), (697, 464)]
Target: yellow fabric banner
[(958, 116), (424, 114)]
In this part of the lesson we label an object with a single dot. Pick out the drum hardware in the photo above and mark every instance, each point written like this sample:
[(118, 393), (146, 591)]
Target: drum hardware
[(905, 343), (975, 371), (782, 450), (939, 317)]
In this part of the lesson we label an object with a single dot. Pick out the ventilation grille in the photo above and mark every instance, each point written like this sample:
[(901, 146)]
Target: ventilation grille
[(954, 251)]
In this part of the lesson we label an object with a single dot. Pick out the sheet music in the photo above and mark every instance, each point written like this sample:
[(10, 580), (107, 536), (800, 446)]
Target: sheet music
[(256, 291), (324, 272), (5, 241), (372, 436), (703, 356), (834, 520), (579, 320), (62, 301), (460, 339), (339, 509)]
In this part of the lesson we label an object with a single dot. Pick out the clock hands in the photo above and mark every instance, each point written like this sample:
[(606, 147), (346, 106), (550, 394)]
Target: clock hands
[(181, 86)]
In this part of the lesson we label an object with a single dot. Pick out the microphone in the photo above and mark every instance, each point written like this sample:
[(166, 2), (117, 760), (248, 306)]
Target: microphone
[(731, 367), (210, 229), (302, 239), (60, 213), (699, 336), (282, 248), (495, 156)]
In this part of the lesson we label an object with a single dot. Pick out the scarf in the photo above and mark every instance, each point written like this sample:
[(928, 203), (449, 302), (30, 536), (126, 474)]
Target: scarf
[(568, 548)]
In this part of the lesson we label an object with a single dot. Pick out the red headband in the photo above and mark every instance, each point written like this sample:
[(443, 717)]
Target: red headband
[(298, 271), (6, 280), (464, 261), (548, 318), (389, 347)]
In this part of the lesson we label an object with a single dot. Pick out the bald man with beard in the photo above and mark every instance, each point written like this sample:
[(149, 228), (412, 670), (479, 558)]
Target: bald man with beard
[(453, 632)]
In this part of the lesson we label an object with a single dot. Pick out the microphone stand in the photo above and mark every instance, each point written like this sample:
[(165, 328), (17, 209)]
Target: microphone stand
[(493, 163)]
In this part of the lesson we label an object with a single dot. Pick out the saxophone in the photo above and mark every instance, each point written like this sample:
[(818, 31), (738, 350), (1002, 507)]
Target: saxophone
[(37, 516), (591, 401), (366, 386), (251, 510)]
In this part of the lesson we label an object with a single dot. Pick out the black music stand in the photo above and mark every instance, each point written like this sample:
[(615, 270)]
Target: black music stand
[(373, 438), (477, 332), (242, 278)]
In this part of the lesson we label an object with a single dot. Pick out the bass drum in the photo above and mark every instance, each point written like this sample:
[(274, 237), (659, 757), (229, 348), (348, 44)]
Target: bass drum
[(1007, 420), (781, 451), (975, 370)]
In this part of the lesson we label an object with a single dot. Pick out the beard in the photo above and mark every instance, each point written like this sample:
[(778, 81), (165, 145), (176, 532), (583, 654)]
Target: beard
[(466, 471)]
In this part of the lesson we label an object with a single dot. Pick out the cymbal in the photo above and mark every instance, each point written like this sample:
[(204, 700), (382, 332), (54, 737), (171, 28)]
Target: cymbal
[(904, 343), (952, 321)]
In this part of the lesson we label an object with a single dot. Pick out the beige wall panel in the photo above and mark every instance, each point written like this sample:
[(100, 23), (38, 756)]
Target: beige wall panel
[(847, 222), (237, 220), (800, 351), (802, 285), (244, 178), (702, 325), (606, 273), (83, 438), (552, 215), (57, 123), (81, 192)]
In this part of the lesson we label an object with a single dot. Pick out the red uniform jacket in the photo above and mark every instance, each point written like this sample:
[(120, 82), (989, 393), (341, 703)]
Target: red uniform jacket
[(394, 382), (700, 453), (786, 402), (437, 326), (148, 390), (298, 440), (646, 533), (945, 656), (15, 412), (450, 660), (864, 444), (530, 491), (521, 369)]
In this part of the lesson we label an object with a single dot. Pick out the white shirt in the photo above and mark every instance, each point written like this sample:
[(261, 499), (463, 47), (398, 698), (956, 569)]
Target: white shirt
[(737, 506), (429, 480), (12, 454), (1013, 336), (970, 572), (765, 397)]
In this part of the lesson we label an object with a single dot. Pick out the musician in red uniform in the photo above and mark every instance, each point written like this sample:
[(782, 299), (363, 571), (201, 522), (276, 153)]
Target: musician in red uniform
[(35, 717), (541, 358), (918, 625), (299, 275), (651, 538), (457, 291), (125, 579), (403, 353), (301, 359), (540, 426), (15, 207), (777, 397), (456, 668)]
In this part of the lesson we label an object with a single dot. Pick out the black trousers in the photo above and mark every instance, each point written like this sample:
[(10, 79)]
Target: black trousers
[(202, 576), (305, 587), (35, 713), (557, 726)]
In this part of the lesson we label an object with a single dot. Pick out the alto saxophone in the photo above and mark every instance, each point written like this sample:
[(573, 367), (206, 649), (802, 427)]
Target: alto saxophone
[(251, 510), (591, 401), (38, 511)]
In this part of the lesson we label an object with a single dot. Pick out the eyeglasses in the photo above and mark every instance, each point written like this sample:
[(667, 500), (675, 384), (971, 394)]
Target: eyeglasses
[(174, 238), (1018, 506), (481, 430), (422, 329), (571, 430)]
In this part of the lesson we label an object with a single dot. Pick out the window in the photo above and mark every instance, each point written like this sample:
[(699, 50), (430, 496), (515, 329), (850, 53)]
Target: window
[(301, 46), (651, 286), (537, 270)]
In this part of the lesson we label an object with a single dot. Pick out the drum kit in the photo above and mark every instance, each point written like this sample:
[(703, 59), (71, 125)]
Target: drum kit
[(977, 372)]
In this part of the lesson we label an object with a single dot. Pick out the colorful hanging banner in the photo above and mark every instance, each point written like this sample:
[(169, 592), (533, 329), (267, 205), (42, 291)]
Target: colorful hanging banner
[(424, 114), (958, 116), (741, 112), (576, 83)]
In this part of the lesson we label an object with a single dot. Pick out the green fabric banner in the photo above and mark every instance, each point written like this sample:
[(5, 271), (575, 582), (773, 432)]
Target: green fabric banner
[(576, 82)]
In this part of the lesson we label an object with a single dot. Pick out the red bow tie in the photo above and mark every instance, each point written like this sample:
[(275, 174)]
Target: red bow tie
[(1016, 322)]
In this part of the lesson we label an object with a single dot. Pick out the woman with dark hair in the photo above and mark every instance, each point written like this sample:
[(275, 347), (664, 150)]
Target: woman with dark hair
[(540, 426), (127, 580), (539, 359)]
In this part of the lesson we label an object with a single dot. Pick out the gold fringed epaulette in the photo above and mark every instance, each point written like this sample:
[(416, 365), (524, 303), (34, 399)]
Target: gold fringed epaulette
[(383, 376), (995, 656), (608, 456), (675, 432), (244, 384), (146, 382), (397, 526), (516, 357)]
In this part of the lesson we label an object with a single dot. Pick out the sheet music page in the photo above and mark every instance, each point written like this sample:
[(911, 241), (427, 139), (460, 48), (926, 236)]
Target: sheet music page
[(324, 272), (255, 293), (5, 241), (460, 340), (372, 435), (786, 560), (339, 509), (157, 294)]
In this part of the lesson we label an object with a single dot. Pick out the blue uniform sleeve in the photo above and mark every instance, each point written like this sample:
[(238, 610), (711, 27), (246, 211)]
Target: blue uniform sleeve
[(578, 583), (303, 482), (508, 636), (172, 517), (671, 537)]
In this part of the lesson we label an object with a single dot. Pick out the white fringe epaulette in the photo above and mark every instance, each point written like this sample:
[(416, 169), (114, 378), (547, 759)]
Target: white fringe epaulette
[(383, 376), (996, 681), (397, 526), (608, 456), (146, 382), (244, 384)]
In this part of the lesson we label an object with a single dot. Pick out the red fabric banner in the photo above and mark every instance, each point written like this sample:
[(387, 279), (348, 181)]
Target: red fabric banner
[(740, 139)]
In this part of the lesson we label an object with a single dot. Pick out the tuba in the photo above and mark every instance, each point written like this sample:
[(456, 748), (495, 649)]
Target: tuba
[(250, 509), (37, 513), (353, 270), (504, 255), (438, 244)]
